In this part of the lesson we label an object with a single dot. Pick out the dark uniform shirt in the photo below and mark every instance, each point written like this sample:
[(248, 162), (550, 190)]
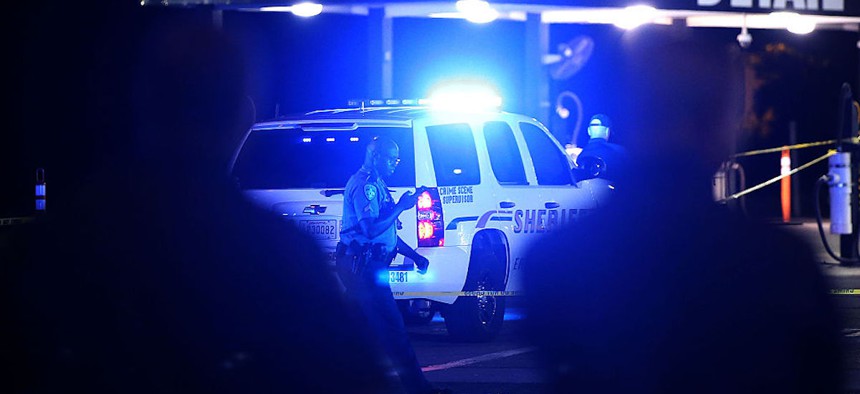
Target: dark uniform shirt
[(614, 156), (366, 197)]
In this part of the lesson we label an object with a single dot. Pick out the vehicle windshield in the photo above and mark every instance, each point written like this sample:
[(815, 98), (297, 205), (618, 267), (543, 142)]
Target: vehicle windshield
[(299, 159)]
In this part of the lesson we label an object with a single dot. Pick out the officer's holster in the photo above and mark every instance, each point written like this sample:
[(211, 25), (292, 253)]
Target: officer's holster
[(363, 256)]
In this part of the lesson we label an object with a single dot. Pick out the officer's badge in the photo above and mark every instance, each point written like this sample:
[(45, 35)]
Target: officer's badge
[(370, 192)]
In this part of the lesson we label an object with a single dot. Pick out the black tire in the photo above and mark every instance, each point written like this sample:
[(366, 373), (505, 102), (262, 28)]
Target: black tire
[(479, 318), (416, 315)]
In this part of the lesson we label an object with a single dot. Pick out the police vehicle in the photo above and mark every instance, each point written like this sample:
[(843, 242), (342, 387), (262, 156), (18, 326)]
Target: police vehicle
[(496, 181)]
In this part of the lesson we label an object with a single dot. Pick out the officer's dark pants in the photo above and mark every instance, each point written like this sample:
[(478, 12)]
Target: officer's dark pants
[(372, 294)]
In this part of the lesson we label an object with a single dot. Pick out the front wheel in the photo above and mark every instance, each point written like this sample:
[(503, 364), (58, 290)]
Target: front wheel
[(478, 318)]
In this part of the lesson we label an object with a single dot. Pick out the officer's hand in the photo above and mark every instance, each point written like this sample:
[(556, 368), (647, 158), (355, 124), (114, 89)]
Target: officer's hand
[(421, 264), (407, 201)]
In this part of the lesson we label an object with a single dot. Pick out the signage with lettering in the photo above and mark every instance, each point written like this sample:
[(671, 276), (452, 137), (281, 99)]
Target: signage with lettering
[(819, 7), (775, 5)]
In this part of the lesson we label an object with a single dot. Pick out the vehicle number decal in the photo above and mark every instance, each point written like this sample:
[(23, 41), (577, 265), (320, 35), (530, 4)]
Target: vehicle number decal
[(320, 229), (398, 277)]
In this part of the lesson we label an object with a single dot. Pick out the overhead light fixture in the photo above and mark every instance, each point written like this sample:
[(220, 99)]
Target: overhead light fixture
[(793, 22), (304, 10), (477, 11), (635, 16)]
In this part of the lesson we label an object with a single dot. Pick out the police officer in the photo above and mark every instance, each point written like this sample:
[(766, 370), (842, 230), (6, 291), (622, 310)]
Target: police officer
[(368, 243), (610, 158)]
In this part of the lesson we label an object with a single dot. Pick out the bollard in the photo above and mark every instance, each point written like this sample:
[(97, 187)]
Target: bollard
[(41, 186), (785, 195)]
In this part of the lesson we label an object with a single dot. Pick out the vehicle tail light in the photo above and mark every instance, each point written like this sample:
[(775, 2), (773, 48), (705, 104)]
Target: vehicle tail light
[(431, 224)]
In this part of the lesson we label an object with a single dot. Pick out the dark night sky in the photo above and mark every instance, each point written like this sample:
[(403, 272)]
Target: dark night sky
[(71, 72)]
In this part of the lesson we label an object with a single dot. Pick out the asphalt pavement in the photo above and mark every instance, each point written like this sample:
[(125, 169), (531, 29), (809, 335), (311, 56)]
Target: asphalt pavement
[(509, 364)]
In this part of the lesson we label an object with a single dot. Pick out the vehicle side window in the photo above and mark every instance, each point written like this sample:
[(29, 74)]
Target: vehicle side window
[(551, 167), (504, 154), (455, 158)]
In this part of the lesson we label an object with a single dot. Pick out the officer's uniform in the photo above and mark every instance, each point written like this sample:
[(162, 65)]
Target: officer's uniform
[(362, 264), (614, 157)]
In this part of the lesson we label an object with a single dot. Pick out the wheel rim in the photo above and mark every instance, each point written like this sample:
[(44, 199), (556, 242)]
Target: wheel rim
[(487, 305)]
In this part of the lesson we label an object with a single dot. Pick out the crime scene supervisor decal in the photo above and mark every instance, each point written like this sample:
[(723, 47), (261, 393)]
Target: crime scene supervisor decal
[(456, 194)]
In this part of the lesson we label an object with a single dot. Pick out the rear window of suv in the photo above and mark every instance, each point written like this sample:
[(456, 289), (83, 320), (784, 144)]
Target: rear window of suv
[(455, 158), (298, 159)]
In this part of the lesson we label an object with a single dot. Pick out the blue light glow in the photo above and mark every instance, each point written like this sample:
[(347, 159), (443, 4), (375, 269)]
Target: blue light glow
[(465, 96)]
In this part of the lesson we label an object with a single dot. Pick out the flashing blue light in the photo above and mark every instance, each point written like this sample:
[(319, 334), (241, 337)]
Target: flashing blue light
[(464, 97), (329, 139), (306, 139), (353, 139)]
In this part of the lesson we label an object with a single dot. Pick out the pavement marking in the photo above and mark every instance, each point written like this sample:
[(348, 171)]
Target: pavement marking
[(851, 332), (473, 360)]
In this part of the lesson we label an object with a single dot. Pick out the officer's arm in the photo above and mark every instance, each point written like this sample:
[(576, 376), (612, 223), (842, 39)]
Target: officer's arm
[(406, 250), (373, 227), (421, 262)]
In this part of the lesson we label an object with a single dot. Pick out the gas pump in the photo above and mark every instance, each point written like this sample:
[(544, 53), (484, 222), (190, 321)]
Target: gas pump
[(41, 188), (842, 182)]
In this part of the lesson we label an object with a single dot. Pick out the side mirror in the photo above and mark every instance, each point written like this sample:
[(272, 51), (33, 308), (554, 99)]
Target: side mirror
[(589, 167)]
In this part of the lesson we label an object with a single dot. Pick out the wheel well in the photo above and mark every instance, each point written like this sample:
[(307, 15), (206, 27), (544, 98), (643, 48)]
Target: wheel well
[(498, 243)]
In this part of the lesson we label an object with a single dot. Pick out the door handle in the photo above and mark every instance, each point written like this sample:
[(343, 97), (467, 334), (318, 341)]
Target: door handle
[(551, 205), (507, 204)]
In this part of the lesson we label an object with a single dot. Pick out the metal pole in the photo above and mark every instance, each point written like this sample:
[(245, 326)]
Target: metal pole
[(537, 81), (380, 54), (848, 242)]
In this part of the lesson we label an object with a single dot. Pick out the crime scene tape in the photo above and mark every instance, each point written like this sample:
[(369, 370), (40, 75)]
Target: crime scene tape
[(793, 147), (845, 291), (779, 177), (456, 293), (424, 294), (520, 293), (15, 221)]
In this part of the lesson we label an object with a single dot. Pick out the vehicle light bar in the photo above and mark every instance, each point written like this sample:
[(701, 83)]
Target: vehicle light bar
[(387, 103)]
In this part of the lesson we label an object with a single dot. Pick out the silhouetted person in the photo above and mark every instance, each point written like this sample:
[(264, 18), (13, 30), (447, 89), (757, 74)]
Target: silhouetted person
[(662, 291), (611, 158), (161, 278)]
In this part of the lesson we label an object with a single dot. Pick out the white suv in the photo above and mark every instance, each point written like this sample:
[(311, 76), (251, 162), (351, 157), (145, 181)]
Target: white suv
[(497, 181)]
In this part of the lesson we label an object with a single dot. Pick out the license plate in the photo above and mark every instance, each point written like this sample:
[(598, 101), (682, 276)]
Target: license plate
[(320, 229), (397, 277)]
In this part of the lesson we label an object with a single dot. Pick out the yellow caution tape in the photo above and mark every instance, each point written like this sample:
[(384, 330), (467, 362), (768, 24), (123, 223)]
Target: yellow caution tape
[(845, 291), (794, 147), (425, 294), (14, 221), (779, 177)]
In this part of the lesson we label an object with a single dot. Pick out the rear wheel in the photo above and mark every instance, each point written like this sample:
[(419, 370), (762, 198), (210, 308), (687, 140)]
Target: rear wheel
[(479, 318)]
